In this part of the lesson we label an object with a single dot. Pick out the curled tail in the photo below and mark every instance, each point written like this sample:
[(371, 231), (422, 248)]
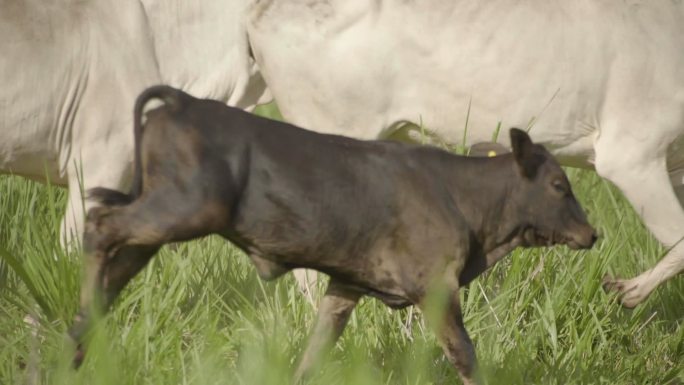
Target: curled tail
[(173, 99)]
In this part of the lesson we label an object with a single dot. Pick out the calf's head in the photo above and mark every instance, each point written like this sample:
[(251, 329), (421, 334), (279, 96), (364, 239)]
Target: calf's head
[(543, 198)]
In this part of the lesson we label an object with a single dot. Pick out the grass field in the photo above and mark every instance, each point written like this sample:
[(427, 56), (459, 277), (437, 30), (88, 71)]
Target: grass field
[(198, 314)]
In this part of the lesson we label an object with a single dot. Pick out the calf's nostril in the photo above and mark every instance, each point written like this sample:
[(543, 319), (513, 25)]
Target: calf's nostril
[(594, 237)]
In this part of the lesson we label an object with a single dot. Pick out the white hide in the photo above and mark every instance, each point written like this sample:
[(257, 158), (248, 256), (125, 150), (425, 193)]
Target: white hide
[(70, 72), (202, 48), (598, 82)]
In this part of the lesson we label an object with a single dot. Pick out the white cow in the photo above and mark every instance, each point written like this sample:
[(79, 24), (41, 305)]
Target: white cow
[(69, 74), (72, 70), (600, 83)]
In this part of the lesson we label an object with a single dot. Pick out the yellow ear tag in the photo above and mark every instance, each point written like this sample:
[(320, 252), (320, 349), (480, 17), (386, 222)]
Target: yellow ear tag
[(491, 153)]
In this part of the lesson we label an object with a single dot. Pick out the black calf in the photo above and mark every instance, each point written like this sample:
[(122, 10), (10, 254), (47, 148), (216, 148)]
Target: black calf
[(383, 219)]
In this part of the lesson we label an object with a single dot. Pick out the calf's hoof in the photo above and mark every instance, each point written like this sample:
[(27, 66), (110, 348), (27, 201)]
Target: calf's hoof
[(626, 289), (76, 333), (79, 356)]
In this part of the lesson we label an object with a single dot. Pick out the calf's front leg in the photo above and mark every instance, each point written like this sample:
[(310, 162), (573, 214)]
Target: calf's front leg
[(456, 343), (333, 314), (447, 322)]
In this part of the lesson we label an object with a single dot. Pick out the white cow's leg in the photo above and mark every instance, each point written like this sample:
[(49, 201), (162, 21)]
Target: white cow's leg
[(87, 174), (643, 179), (307, 281), (71, 231)]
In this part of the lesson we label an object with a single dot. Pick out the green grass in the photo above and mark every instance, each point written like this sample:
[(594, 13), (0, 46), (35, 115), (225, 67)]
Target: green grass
[(198, 314)]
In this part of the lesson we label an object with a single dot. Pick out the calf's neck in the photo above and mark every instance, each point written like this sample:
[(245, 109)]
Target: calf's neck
[(382, 219)]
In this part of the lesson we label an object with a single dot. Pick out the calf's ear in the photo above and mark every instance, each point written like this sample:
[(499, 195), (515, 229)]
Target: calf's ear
[(523, 151)]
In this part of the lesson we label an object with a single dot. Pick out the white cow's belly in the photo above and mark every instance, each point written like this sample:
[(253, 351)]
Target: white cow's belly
[(34, 166), (675, 162)]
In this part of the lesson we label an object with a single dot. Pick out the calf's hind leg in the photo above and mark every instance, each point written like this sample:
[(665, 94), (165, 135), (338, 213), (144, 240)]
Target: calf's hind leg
[(103, 281), (109, 264), (120, 240)]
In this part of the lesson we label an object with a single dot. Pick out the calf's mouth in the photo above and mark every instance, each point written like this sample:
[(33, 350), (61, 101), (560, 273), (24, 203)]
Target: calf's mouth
[(583, 239), (537, 237), (575, 240)]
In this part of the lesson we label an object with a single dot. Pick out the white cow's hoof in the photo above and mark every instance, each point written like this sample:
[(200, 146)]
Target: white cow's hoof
[(627, 290)]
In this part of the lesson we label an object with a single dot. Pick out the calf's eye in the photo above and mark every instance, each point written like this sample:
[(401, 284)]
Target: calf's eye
[(559, 186)]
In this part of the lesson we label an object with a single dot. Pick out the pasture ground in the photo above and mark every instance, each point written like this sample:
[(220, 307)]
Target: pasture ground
[(198, 314)]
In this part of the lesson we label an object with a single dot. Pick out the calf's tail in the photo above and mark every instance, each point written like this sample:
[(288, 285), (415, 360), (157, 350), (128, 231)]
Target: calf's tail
[(173, 99)]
